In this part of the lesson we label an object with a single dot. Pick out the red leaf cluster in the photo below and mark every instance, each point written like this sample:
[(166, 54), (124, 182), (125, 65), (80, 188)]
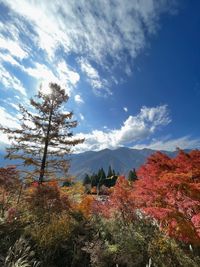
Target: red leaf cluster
[(168, 189)]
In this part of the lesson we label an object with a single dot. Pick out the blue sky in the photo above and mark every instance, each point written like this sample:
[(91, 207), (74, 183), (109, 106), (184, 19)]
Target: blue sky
[(131, 68)]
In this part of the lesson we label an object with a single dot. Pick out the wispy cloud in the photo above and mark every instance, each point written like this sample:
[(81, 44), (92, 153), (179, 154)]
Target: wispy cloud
[(134, 128), (82, 117), (109, 34), (93, 77), (62, 75), (67, 74), (12, 47), (78, 99), (7, 119), (171, 144), (10, 81)]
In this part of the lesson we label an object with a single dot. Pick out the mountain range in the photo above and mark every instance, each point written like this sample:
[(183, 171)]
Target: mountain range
[(122, 160)]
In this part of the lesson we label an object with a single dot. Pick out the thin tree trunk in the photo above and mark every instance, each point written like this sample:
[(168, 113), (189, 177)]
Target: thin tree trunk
[(44, 158)]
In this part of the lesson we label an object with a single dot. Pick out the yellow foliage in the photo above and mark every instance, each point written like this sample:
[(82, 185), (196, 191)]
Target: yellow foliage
[(52, 234), (75, 193)]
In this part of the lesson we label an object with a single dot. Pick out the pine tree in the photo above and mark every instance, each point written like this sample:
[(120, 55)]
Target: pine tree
[(86, 180), (110, 173), (94, 180), (132, 176), (44, 137)]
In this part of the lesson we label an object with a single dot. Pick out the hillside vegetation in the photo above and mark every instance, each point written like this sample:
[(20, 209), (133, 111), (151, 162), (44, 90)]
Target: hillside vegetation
[(154, 220)]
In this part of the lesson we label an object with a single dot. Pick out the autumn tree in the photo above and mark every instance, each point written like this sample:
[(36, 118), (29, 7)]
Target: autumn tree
[(168, 189), (44, 137)]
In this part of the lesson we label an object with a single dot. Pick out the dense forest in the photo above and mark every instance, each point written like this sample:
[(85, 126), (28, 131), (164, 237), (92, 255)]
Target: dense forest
[(150, 218)]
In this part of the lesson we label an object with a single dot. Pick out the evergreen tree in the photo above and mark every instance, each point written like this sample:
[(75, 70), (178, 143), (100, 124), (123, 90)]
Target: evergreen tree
[(110, 173), (68, 183), (132, 176), (45, 137), (94, 180), (101, 179), (101, 175), (86, 180)]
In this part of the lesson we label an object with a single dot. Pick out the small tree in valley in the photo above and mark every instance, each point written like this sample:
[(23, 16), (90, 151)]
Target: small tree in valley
[(132, 176), (44, 138)]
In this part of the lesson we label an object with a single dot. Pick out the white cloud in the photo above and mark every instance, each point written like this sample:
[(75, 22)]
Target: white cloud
[(7, 78), (171, 144), (40, 72), (90, 71), (78, 99), (63, 75), (93, 77), (10, 81), (8, 119), (135, 128), (12, 47), (82, 117), (9, 58), (125, 109), (105, 32), (15, 106), (67, 74)]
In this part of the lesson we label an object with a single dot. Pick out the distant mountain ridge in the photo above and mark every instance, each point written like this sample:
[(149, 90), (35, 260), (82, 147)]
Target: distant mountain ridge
[(122, 160)]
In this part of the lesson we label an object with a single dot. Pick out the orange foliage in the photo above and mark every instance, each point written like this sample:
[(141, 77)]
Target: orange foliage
[(86, 204), (46, 198)]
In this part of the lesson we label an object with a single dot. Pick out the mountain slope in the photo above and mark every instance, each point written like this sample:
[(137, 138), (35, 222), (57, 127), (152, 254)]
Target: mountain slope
[(122, 160)]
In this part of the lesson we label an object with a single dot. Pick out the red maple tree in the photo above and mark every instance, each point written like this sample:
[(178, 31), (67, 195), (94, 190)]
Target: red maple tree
[(168, 189)]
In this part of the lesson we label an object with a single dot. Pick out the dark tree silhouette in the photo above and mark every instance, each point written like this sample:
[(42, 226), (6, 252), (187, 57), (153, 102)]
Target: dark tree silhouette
[(132, 176)]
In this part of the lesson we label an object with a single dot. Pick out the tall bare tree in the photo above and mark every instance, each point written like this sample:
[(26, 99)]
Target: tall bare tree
[(45, 137)]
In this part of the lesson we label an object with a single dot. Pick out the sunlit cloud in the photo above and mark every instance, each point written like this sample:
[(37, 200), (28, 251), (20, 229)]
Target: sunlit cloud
[(185, 142), (104, 33), (12, 47), (134, 128), (78, 99)]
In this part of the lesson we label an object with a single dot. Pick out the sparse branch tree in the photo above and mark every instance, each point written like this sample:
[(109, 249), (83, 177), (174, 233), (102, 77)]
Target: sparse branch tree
[(45, 137)]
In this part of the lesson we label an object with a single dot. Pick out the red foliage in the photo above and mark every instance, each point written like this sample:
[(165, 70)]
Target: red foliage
[(120, 201), (46, 197), (168, 189)]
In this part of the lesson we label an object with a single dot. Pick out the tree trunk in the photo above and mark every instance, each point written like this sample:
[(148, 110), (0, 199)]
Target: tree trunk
[(44, 158)]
